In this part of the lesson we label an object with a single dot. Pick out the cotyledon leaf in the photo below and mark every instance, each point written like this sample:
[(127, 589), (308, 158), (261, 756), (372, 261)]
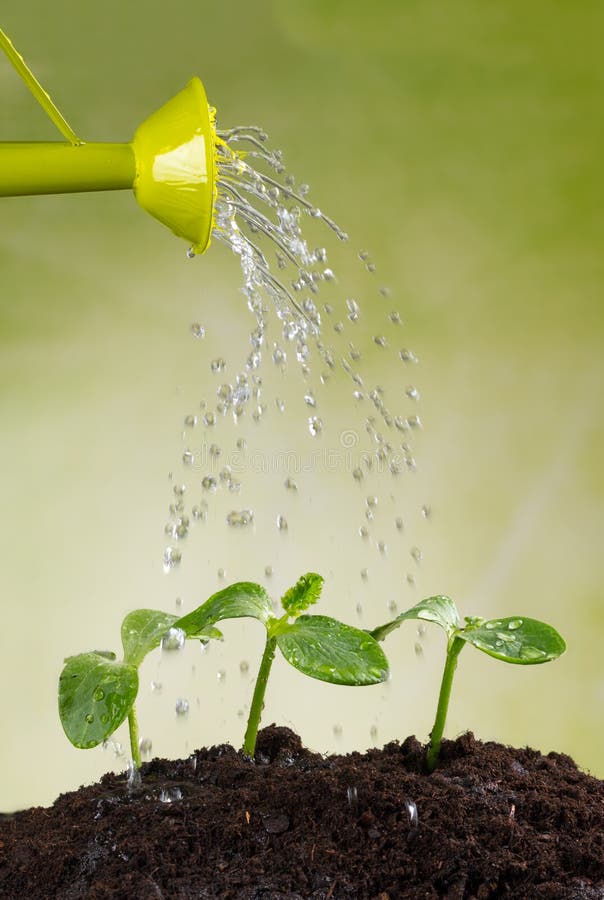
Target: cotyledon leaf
[(516, 639), (245, 598), (142, 631), (438, 609), (95, 696), (328, 650)]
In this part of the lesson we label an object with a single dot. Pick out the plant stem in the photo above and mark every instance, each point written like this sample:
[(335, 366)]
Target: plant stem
[(251, 732), (133, 727), (454, 648)]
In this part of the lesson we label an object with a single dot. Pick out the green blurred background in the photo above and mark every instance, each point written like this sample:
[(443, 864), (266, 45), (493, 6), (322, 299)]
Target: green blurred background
[(463, 147)]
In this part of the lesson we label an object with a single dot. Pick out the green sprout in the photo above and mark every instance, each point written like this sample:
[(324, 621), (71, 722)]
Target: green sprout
[(97, 693), (516, 639), (318, 646)]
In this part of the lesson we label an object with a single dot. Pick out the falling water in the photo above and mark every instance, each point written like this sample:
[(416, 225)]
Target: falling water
[(304, 325)]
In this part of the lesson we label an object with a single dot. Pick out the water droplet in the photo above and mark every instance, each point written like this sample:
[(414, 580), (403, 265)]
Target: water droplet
[(290, 484), (353, 309), (174, 639), (412, 392), (392, 606), (426, 511), (244, 666), (268, 571), (380, 340), (198, 512), (282, 523), (309, 399), (181, 706), (240, 519), (373, 732), (99, 694), (382, 547), (315, 425), (399, 523), (89, 718), (217, 365), (241, 444), (179, 490), (411, 808), (364, 532), (170, 795), (280, 404), (279, 356), (190, 421), (364, 574), (221, 572), (209, 419), (414, 422), (198, 330), (395, 317), (156, 687), (407, 356), (209, 483), (490, 626), (172, 558), (145, 746), (514, 624), (371, 501), (220, 675), (353, 797), (337, 730), (188, 458), (357, 474)]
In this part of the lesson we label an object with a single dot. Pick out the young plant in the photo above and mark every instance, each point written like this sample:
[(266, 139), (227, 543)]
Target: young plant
[(96, 693), (318, 646), (516, 639)]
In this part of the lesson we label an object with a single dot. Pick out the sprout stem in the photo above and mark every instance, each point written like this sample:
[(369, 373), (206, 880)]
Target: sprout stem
[(454, 648), (133, 727), (251, 732)]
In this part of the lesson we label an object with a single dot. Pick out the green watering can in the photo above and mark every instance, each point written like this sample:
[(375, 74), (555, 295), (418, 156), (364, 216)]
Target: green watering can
[(169, 164)]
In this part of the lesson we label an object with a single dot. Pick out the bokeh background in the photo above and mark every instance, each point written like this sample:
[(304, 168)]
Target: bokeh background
[(463, 147)]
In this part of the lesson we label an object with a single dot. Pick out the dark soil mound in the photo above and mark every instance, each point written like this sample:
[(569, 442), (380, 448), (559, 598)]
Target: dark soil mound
[(491, 822)]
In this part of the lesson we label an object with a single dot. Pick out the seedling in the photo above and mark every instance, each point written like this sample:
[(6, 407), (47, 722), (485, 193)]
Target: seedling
[(525, 642), (318, 646), (96, 693)]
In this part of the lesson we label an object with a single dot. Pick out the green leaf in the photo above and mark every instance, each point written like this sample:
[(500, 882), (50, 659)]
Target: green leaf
[(142, 631), (95, 696), (241, 599), (438, 609), (303, 594), (516, 639), (331, 651)]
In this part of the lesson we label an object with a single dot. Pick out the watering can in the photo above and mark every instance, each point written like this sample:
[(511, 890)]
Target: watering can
[(169, 164)]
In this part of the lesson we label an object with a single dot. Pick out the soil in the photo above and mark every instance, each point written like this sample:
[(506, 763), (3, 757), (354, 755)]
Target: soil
[(490, 821)]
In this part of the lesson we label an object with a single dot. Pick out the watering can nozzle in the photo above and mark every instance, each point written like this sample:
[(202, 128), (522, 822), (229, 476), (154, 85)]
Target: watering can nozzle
[(170, 162), (175, 163)]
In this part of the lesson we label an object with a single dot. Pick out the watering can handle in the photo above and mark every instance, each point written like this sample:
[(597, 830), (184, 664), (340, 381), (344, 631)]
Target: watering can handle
[(37, 90)]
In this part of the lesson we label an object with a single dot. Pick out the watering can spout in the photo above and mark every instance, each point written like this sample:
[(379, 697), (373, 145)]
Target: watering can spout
[(170, 162)]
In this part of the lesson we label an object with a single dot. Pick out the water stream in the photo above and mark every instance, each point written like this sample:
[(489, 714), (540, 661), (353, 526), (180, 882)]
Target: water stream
[(312, 331)]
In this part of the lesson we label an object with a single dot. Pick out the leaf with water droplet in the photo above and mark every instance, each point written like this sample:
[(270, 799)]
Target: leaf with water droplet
[(516, 640), (142, 631), (303, 594), (95, 696), (439, 609), (245, 598), (328, 650)]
